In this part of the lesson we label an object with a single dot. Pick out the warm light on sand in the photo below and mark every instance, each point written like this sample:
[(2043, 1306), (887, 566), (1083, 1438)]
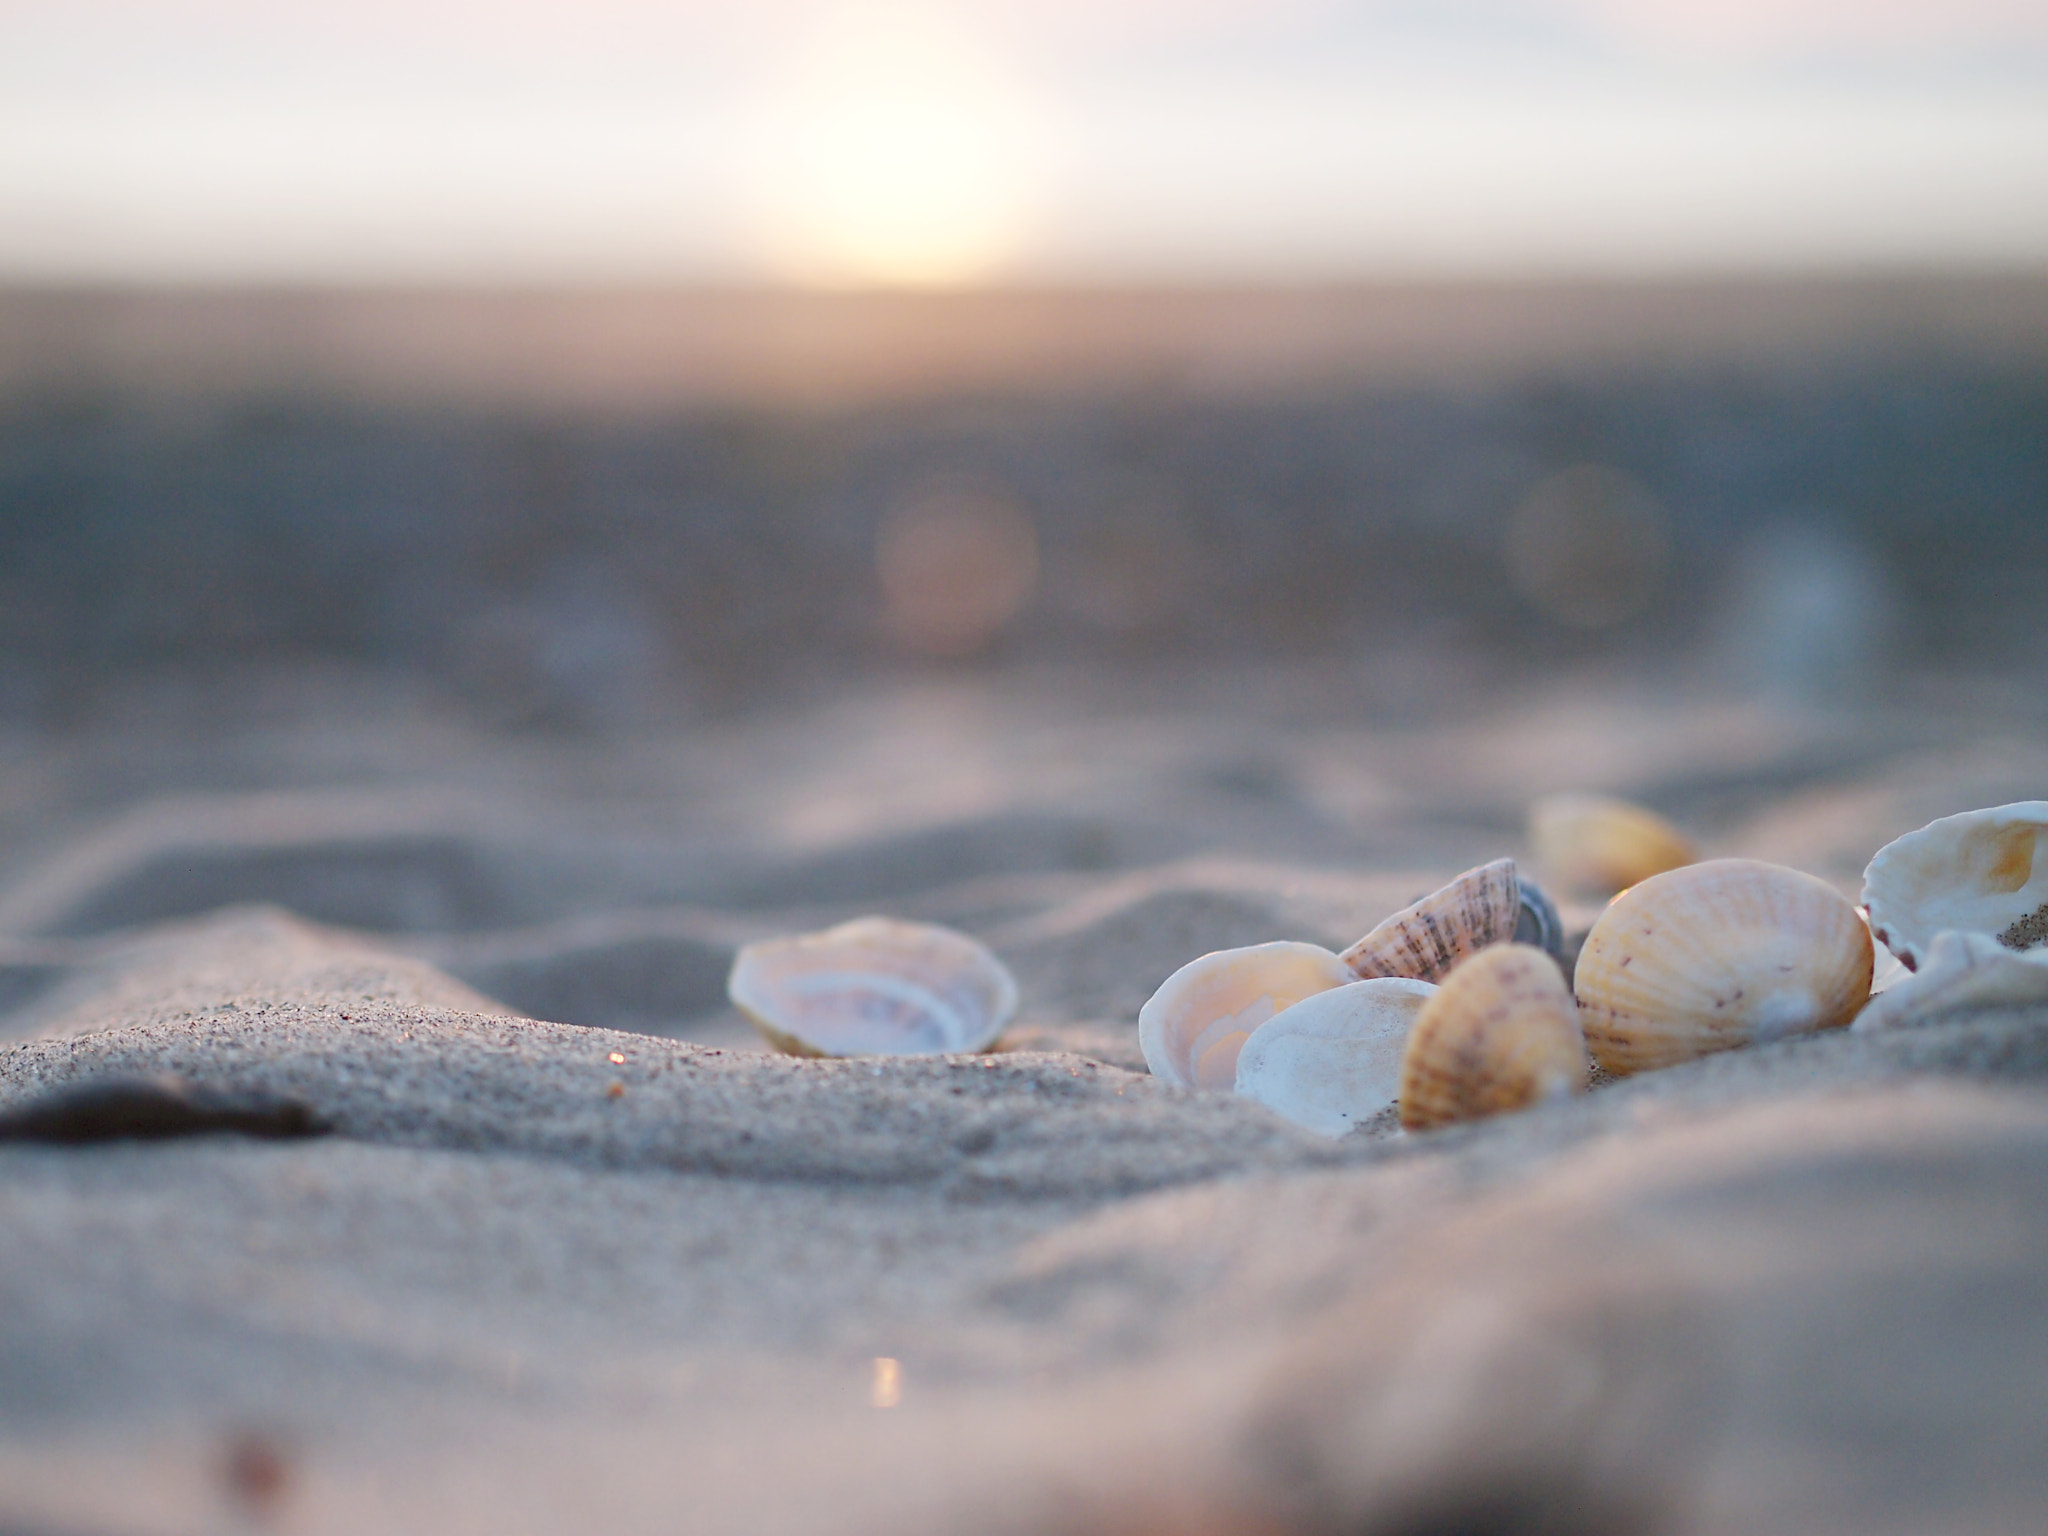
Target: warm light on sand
[(895, 154)]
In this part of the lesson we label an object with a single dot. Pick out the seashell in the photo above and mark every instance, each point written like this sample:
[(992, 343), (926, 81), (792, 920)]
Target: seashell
[(1717, 955), (1960, 973), (1980, 872), (1481, 907), (875, 986), (1195, 1024), (1333, 1060), (1501, 1033), (1538, 923), (1597, 845)]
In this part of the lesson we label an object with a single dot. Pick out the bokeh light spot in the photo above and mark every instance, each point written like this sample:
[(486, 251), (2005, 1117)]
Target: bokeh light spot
[(956, 563), (1588, 547)]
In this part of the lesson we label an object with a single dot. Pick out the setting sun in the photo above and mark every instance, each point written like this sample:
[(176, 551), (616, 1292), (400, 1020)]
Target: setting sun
[(894, 154)]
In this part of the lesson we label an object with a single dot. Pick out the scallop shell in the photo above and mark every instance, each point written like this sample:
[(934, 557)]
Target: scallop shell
[(1199, 1019), (1333, 1060), (1980, 872), (1501, 1033), (1596, 845), (1717, 955), (1961, 972), (874, 987), (1481, 907)]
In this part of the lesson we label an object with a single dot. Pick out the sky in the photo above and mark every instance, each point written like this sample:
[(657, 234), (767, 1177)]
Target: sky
[(922, 143)]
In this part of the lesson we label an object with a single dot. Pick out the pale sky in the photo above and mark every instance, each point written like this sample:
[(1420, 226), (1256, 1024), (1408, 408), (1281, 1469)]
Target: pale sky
[(1056, 141)]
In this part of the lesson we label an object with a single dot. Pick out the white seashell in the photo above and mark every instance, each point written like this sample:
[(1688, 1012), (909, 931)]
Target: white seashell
[(1333, 1060), (874, 987), (1597, 845), (1501, 1033), (1481, 907), (1717, 955), (1960, 972), (1980, 872), (1196, 1023)]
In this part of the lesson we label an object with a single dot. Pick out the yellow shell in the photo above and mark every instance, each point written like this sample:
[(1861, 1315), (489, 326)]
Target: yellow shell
[(1713, 956), (1596, 845), (1501, 1033), (1478, 909), (1980, 872), (875, 986), (1196, 1023)]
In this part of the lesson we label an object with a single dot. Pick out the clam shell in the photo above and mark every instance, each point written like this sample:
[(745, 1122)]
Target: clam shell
[(1980, 872), (1718, 955), (1959, 973), (1501, 1033), (1333, 1060), (1481, 907), (875, 986), (1596, 845), (1196, 1023)]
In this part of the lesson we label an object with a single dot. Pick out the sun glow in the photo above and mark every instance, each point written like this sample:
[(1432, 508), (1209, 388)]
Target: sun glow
[(896, 154)]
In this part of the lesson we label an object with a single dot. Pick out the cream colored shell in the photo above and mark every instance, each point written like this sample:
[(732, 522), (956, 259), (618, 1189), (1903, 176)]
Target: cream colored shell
[(1501, 1033), (1196, 1023), (875, 986), (1478, 909), (1960, 973), (1713, 956), (1980, 872), (1597, 846), (1333, 1060)]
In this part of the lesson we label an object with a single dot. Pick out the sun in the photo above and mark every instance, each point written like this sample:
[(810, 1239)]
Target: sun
[(895, 154)]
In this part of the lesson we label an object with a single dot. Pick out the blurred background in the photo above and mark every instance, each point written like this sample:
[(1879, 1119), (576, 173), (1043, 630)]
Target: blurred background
[(583, 365)]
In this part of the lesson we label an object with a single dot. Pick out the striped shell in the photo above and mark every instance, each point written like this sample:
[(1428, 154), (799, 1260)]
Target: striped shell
[(874, 987), (1199, 1019), (1980, 872), (1501, 1033), (1333, 1060), (1597, 846), (1480, 908), (1713, 956)]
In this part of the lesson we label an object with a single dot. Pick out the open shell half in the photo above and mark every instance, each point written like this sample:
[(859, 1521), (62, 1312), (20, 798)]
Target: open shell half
[(1980, 872), (876, 986), (1333, 1060), (1195, 1024)]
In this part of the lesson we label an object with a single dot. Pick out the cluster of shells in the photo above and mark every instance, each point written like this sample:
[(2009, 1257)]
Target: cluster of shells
[(1466, 1003), (1446, 1011)]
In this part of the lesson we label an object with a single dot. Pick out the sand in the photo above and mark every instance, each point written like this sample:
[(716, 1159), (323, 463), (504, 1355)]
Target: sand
[(574, 1254)]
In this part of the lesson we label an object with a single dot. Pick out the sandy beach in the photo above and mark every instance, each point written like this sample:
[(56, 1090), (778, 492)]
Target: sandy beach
[(575, 1253)]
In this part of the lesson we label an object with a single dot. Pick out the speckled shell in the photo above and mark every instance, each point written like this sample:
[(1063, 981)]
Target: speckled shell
[(1980, 872), (1594, 845), (1333, 1060), (1713, 956), (874, 987), (1960, 973), (1480, 908), (1196, 1023), (1501, 1033)]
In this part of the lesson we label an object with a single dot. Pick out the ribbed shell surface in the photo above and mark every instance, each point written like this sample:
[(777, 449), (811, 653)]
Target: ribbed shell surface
[(1501, 1033), (1718, 955), (1423, 942)]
